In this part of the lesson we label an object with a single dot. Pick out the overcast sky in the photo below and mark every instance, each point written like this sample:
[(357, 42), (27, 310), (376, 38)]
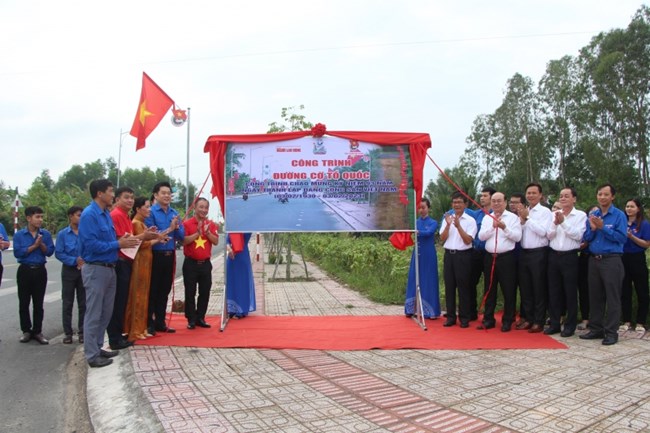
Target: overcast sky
[(71, 71)]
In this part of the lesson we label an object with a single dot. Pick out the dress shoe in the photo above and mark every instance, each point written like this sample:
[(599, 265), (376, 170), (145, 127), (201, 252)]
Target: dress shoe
[(203, 324), (519, 322), (108, 353), (26, 337), (592, 335), (567, 333), (464, 324), (610, 339), (67, 339), (191, 326), (536, 329), (506, 327), (550, 331), (122, 344), (41, 339), (151, 331), (166, 329), (449, 323), (524, 325), (486, 326), (99, 362)]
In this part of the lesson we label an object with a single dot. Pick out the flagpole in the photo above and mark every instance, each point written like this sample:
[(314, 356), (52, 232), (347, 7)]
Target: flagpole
[(119, 157), (187, 166)]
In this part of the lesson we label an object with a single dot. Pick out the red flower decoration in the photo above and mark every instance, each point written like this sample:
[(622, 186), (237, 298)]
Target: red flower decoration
[(318, 130)]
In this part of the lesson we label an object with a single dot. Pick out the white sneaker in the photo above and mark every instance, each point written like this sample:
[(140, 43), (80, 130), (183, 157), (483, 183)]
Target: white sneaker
[(639, 328)]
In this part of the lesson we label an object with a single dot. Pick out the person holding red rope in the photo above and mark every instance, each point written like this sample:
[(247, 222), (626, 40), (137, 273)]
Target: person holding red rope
[(501, 232)]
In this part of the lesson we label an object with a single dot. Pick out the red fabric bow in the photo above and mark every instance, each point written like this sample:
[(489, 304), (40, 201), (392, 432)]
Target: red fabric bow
[(318, 130)]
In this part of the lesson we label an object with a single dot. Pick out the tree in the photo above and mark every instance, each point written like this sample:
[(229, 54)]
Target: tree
[(292, 121)]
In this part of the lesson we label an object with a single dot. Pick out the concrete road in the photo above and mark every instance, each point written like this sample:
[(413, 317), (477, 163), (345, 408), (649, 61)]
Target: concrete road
[(37, 382)]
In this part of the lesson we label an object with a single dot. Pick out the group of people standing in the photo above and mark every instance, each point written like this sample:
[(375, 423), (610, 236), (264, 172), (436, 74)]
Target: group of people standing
[(556, 259), (118, 260)]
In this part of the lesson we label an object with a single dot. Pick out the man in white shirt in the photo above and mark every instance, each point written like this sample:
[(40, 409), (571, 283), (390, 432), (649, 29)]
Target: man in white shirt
[(500, 232), (535, 223), (457, 232), (565, 235)]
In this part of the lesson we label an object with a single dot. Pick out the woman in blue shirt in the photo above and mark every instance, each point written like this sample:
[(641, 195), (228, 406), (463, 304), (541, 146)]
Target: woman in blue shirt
[(636, 268)]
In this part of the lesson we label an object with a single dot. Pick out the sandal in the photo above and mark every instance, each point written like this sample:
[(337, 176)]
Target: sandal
[(639, 328), (624, 327)]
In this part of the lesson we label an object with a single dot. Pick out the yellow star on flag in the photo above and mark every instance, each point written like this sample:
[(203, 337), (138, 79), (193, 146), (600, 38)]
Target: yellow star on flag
[(200, 242), (143, 112)]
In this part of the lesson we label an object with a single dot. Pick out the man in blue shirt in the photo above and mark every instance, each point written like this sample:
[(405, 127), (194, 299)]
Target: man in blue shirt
[(606, 233), (67, 251), (98, 247), (31, 247), (166, 220)]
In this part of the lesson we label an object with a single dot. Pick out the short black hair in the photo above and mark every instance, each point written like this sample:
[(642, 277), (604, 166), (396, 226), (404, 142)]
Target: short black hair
[(611, 188), (159, 185), (539, 187), (32, 210), (574, 193), (520, 196), (489, 189), (73, 210), (123, 189), (426, 200), (99, 185), (457, 194), (202, 199)]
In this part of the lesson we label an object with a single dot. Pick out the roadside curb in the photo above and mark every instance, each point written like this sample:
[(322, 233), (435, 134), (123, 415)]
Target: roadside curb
[(115, 400)]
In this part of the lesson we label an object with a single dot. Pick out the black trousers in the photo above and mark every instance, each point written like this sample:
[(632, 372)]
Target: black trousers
[(196, 273), (636, 273), (32, 281), (505, 276), (583, 284), (456, 277), (71, 284), (532, 284), (563, 288), (162, 275), (475, 271), (123, 280)]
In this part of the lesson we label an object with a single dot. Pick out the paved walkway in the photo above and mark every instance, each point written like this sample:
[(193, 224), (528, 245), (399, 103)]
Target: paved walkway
[(587, 388)]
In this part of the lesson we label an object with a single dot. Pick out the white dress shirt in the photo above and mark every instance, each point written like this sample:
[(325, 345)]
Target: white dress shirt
[(454, 240), (536, 227), (502, 240), (568, 235)]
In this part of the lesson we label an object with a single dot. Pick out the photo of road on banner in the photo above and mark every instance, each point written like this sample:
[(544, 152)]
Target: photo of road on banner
[(318, 184)]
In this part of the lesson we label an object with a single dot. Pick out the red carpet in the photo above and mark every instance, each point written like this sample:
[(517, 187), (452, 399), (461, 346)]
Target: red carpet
[(345, 333)]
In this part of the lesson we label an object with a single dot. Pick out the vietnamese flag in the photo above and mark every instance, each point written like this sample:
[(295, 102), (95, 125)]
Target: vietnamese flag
[(154, 104)]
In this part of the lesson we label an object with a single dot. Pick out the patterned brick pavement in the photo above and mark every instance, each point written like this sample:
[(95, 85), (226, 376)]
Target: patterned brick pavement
[(587, 388)]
